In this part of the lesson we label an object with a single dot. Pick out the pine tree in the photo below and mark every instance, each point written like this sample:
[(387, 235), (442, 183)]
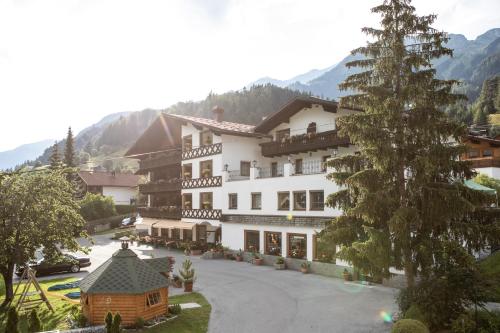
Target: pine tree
[(69, 150), (55, 157), (403, 194)]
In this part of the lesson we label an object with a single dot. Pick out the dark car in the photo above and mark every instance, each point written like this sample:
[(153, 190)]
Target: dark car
[(65, 263)]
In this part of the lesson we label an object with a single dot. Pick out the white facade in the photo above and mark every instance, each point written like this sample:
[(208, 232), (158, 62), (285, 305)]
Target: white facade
[(490, 172), (120, 195)]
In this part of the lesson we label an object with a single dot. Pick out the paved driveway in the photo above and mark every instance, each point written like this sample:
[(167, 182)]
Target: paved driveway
[(247, 298)]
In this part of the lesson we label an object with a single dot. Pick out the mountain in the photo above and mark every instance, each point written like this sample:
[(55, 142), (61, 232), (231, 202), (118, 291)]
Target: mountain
[(11, 158), (301, 78), (473, 62)]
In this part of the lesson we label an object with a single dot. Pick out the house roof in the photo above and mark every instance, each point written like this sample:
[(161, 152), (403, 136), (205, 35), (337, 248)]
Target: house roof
[(223, 127), (483, 138), (292, 107), (124, 273), (99, 178)]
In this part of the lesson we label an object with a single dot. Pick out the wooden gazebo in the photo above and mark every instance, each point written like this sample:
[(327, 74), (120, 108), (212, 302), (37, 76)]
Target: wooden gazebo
[(126, 284)]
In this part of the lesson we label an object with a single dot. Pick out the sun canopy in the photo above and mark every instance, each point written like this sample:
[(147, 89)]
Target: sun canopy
[(478, 187)]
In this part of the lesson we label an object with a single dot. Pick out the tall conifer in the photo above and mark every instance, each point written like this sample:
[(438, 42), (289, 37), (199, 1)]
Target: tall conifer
[(69, 150), (403, 195), (55, 157)]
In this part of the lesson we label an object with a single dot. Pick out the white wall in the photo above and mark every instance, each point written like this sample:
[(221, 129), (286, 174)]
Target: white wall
[(490, 172), (120, 195)]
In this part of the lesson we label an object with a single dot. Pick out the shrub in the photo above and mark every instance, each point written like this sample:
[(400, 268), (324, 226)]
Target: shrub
[(139, 322), (409, 326), (96, 206), (34, 322), (125, 209), (175, 309), (487, 321), (463, 324), (414, 312), (280, 260), (187, 272), (77, 316), (117, 320), (12, 320), (109, 322)]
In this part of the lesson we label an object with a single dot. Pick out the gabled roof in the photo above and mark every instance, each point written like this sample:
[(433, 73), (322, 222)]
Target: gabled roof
[(495, 142), (123, 273), (222, 127), (99, 178)]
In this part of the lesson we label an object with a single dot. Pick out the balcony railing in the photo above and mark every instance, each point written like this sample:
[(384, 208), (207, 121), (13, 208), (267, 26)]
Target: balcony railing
[(161, 160), (269, 172), (311, 168), (202, 182), (156, 187), (303, 143), (205, 214), (202, 151), (485, 163), (165, 212), (234, 175)]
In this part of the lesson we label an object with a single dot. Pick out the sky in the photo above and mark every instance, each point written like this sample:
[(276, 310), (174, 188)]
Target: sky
[(71, 62)]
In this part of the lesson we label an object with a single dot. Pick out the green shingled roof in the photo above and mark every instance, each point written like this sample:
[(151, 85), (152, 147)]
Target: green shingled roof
[(123, 273)]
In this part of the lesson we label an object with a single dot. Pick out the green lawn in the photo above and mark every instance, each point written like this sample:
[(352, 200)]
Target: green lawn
[(61, 305), (491, 267), (190, 320)]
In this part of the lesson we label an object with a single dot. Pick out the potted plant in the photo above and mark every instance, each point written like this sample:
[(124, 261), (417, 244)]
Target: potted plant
[(177, 281), (305, 266), (187, 275), (257, 259), (279, 264), (195, 249), (239, 255), (347, 275)]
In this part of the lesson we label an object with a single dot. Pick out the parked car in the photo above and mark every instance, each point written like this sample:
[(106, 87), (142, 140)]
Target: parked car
[(128, 221), (66, 263)]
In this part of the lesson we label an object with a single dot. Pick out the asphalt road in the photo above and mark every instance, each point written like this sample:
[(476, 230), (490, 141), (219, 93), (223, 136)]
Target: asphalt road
[(248, 298)]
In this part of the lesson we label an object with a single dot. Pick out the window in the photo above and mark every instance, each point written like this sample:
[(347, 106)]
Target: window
[(283, 200), (153, 298), (274, 169), (256, 201), (298, 166), (324, 163), (311, 128), (272, 243), (233, 201), (299, 200), (187, 171), (176, 233), (297, 246), (245, 168), (187, 235), (187, 201), (473, 153), (252, 241), (282, 135), (487, 153), (206, 169), (206, 200), (187, 142), (206, 138), (317, 199), (323, 249)]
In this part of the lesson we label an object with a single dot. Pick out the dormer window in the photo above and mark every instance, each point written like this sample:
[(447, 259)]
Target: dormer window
[(206, 138), (311, 128)]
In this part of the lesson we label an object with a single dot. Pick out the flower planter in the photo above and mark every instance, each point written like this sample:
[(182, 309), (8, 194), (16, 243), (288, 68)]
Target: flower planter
[(188, 286), (347, 276), (280, 266), (195, 252), (239, 258), (258, 261), (304, 270)]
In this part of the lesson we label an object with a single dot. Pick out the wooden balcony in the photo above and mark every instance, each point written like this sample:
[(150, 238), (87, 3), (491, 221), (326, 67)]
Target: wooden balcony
[(202, 151), (202, 214), (202, 182), (304, 143), (160, 187), (485, 163), (161, 160), (167, 212)]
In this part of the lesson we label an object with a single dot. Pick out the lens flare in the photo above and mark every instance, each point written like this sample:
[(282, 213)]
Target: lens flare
[(386, 316)]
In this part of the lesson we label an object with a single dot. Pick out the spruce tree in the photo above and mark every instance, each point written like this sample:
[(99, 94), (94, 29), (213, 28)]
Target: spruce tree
[(55, 157), (403, 197), (69, 150)]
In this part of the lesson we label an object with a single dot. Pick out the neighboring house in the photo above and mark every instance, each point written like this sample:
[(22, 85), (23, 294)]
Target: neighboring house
[(484, 153), (121, 187), (256, 188)]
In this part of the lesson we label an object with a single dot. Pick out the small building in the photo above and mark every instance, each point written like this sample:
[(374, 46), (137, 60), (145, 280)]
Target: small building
[(133, 287), (121, 187), (484, 154)]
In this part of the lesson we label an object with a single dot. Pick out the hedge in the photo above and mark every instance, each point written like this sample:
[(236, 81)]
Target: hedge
[(409, 326), (125, 209), (114, 222)]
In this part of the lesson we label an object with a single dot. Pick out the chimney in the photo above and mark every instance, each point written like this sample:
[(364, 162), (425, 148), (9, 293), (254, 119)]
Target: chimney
[(218, 113)]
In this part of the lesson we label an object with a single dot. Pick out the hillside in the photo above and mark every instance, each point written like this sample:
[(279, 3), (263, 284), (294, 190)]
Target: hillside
[(21, 154)]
